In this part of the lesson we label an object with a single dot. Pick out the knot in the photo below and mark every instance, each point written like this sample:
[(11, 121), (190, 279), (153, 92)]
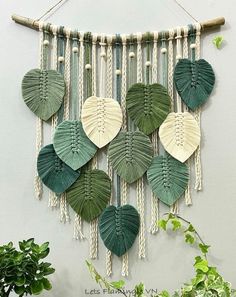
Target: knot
[(68, 32), (94, 38), (171, 34), (155, 36), (198, 28), (41, 25), (124, 38), (54, 29), (81, 37), (178, 33), (109, 39), (139, 37)]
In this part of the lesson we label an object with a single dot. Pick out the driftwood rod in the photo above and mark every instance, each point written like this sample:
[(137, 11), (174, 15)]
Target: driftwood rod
[(34, 24)]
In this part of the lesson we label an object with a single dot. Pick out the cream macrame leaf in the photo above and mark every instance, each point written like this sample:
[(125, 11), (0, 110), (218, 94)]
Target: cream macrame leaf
[(119, 227), (54, 173), (168, 178), (180, 135), (194, 81), (90, 194), (130, 154), (101, 119), (147, 106), (43, 92), (72, 145)]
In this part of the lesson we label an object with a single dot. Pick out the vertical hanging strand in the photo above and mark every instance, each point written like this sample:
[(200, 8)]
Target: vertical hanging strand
[(78, 224), (140, 184), (197, 114), (109, 94), (124, 186), (174, 207), (187, 194), (52, 201), (64, 211), (38, 186), (89, 58), (153, 229)]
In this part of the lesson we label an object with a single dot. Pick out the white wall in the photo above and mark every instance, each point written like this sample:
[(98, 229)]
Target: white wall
[(213, 212)]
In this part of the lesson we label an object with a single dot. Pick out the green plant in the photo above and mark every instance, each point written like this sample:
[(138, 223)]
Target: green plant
[(22, 271), (207, 281), (217, 41)]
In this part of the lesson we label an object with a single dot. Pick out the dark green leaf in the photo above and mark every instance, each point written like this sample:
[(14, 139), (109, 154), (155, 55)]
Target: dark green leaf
[(36, 287), (204, 248), (46, 284)]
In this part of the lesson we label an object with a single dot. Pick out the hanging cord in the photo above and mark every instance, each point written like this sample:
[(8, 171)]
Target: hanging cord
[(109, 94), (187, 194), (53, 199), (153, 229), (78, 223), (52, 9), (38, 186), (124, 186), (140, 183), (186, 11), (91, 57), (197, 114)]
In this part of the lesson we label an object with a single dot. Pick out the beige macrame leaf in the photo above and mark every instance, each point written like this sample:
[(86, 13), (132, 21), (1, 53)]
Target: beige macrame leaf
[(180, 135), (101, 119)]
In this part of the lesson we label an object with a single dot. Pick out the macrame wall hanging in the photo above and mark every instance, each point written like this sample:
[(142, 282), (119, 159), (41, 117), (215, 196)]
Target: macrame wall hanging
[(135, 99)]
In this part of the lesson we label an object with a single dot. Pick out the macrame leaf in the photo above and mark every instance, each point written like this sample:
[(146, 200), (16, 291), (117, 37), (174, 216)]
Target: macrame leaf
[(194, 81), (130, 154), (119, 226), (101, 119), (72, 145), (147, 106), (180, 135), (54, 173), (43, 92), (168, 178), (89, 195)]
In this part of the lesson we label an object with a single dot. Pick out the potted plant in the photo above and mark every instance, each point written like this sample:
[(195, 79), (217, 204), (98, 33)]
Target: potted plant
[(207, 281), (23, 271)]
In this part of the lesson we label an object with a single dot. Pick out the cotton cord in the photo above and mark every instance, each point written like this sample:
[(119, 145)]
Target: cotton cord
[(81, 72), (109, 94), (153, 229), (171, 67), (174, 207), (53, 199), (94, 64), (124, 186), (78, 226), (187, 194), (197, 114), (67, 75), (140, 182), (64, 210), (38, 186)]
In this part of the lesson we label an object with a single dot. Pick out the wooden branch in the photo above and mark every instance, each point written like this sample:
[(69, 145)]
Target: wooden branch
[(34, 24)]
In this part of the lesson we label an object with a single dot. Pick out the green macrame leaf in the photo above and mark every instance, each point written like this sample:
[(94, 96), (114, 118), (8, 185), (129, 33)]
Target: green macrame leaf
[(43, 92), (168, 178), (89, 195), (119, 226), (194, 81), (147, 106), (130, 154), (54, 173), (72, 145)]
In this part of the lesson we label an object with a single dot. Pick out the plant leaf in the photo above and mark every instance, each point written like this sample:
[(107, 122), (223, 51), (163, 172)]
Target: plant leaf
[(194, 81), (72, 145), (217, 41), (189, 238), (168, 178), (180, 135), (118, 285), (119, 226), (130, 154), (36, 287), (148, 106), (204, 248), (176, 224), (54, 173), (101, 119), (43, 92), (46, 284), (89, 195), (162, 224)]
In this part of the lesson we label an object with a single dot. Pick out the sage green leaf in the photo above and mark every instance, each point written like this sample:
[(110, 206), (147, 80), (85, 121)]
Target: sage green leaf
[(130, 154), (148, 106), (89, 195), (119, 226), (72, 145), (168, 178), (43, 92), (54, 173), (194, 81)]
